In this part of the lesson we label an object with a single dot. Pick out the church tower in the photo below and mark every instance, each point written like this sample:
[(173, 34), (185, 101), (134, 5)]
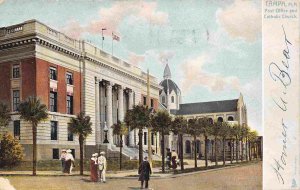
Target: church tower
[(170, 95)]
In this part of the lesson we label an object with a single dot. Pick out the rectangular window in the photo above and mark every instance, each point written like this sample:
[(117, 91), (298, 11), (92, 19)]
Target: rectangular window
[(69, 104), (152, 103), (133, 98), (55, 153), (145, 138), (53, 101), (69, 78), (73, 152), (145, 100), (53, 130), (152, 138), (53, 73), (16, 71), (17, 129), (70, 134), (117, 114), (16, 100)]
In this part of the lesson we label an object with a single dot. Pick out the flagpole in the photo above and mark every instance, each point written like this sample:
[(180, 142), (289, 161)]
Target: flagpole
[(102, 36), (112, 43)]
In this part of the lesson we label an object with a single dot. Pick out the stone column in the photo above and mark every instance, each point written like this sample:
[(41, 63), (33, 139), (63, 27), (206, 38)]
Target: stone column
[(109, 121), (97, 112), (121, 103), (130, 99)]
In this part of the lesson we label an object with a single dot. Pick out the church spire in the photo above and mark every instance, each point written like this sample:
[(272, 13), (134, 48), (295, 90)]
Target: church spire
[(167, 72)]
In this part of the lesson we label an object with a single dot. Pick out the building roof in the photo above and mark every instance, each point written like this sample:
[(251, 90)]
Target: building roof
[(171, 84), (206, 107)]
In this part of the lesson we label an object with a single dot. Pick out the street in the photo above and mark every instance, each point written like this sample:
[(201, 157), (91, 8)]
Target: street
[(247, 177)]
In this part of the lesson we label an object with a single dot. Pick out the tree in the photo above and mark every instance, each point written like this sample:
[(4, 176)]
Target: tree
[(237, 134), (120, 129), (11, 151), (205, 129), (215, 131), (33, 111), (4, 115), (179, 127), (231, 136), (194, 131), (138, 118), (252, 139), (224, 133), (244, 136), (161, 122), (81, 126)]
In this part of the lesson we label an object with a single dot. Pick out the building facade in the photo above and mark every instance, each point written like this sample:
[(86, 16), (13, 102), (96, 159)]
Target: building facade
[(69, 76), (233, 111)]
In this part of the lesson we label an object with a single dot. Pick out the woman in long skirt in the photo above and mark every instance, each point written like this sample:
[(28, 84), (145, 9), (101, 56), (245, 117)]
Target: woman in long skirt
[(93, 168)]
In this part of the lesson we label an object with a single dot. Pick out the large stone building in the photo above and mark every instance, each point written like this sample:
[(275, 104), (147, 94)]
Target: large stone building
[(232, 111), (69, 76)]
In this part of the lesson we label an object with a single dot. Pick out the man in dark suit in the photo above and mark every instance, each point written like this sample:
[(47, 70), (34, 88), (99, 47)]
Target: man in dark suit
[(144, 171)]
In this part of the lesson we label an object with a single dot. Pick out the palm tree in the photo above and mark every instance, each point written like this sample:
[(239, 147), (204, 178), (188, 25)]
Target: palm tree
[(224, 133), (81, 126), (194, 130), (205, 129), (237, 134), (179, 127), (33, 111), (120, 129), (161, 122), (138, 118), (215, 131), (4, 115)]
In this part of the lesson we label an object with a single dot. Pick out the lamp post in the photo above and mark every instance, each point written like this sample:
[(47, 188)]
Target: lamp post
[(105, 129)]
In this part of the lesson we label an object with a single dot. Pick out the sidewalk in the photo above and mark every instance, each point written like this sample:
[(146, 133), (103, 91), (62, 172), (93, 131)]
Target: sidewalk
[(129, 174)]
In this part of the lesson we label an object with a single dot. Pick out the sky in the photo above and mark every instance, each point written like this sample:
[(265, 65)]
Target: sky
[(213, 47)]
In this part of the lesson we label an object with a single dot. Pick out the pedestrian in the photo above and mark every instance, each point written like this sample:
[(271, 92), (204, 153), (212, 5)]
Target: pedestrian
[(168, 158), (144, 172), (93, 168), (69, 163), (174, 156), (63, 159), (102, 167)]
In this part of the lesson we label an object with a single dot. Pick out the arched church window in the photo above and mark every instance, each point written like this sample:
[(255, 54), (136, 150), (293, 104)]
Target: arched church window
[(210, 120), (188, 147), (172, 99), (163, 99), (230, 118), (220, 119)]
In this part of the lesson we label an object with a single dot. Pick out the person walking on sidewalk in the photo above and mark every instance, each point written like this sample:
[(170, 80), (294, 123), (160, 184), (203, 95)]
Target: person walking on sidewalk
[(144, 172), (94, 168), (63, 159), (102, 167)]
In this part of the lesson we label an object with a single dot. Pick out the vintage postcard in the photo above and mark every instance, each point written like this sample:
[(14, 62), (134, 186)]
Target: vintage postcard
[(144, 94)]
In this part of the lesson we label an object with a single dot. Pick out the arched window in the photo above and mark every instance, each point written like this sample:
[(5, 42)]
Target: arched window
[(210, 120), (220, 119), (230, 118), (172, 99), (163, 99), (188, 147)]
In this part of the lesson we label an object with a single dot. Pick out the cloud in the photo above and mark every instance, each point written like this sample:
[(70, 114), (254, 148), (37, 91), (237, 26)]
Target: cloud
[(135, 59), (110, 18), (194, 75), (165, 56), (242, 19)]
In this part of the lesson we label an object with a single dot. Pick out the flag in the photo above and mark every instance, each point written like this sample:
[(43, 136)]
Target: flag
[(115, 37)]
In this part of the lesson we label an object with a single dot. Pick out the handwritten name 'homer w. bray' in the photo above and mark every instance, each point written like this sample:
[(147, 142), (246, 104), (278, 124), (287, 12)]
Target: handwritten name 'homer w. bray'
[(281, 77)]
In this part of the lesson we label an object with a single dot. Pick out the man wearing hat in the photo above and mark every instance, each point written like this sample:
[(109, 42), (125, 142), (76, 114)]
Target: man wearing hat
[(69, 163), (102, 167), (144, 172), (63, 159)]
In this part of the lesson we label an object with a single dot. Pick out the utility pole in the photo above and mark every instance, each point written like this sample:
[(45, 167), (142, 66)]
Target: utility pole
[(149, 128)]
